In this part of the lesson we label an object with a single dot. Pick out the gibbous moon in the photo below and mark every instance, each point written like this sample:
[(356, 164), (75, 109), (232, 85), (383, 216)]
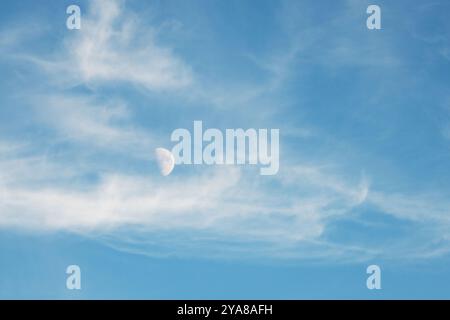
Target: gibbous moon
[(165, 160)]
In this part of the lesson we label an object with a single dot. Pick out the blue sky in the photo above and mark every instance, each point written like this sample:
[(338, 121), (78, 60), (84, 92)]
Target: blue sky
[(364, 119)]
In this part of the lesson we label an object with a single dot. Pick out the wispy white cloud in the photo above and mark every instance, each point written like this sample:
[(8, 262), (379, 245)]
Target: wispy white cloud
[(221, 212), (92, 122), (115, 46), (222, 203), (432, 208)]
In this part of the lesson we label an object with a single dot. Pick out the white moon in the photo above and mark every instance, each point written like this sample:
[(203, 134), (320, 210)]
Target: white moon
[(165, 160)]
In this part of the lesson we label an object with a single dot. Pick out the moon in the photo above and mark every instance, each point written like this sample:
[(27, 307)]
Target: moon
[(165, 160)]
